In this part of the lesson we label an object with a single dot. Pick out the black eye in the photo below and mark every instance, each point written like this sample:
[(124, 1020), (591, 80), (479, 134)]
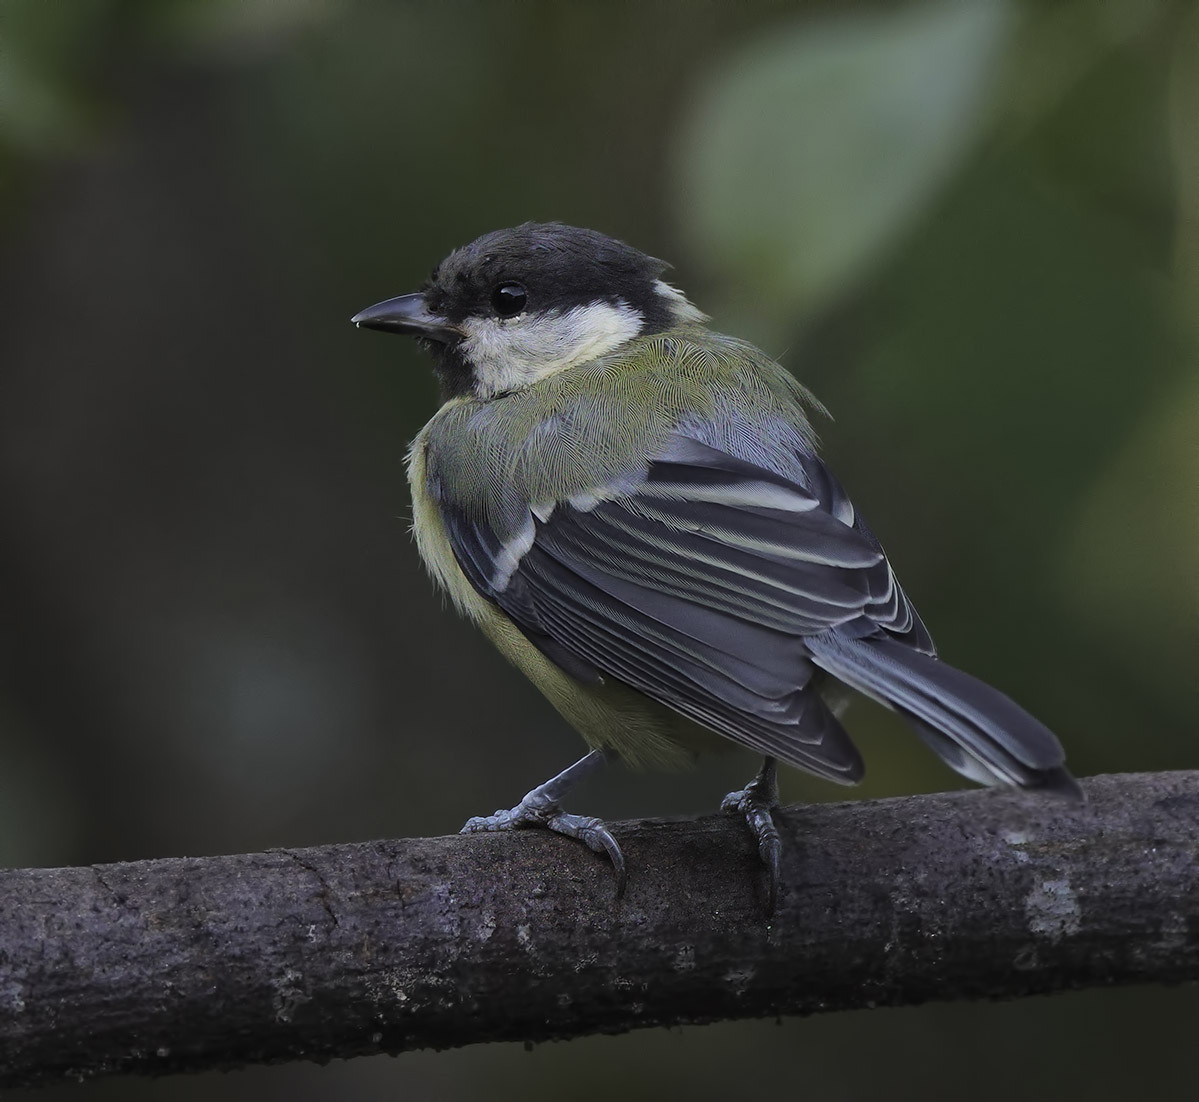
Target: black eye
[(509, 299)]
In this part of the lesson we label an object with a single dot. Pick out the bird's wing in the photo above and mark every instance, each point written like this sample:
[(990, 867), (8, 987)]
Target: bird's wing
[(698, 587)]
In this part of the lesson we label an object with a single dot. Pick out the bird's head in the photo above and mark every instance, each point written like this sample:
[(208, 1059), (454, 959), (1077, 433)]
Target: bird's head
[(520, 304)]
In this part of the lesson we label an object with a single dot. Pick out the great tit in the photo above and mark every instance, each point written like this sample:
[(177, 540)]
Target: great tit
[(632, 508)]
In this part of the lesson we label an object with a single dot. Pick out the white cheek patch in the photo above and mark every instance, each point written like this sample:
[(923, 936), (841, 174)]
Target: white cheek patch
[(508, 353)]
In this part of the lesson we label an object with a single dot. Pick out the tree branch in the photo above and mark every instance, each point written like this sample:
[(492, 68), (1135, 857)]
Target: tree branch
[(184, 964)]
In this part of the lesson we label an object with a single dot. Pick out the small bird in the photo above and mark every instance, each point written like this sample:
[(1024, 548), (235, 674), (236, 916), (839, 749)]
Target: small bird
[(632, 509)]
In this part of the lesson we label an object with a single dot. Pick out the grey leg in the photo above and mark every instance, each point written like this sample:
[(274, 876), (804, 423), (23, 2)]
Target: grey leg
[(541, 808), (755, 802)]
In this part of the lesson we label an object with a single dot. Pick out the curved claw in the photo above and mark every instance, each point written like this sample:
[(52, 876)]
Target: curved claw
[(593, 833), (770, 849)]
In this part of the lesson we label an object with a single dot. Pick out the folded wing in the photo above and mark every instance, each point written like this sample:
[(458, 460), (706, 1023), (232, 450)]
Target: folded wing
[(700, 588)]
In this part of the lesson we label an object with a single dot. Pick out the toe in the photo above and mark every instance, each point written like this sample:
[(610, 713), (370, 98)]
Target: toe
[(732, 803), (501, 820)]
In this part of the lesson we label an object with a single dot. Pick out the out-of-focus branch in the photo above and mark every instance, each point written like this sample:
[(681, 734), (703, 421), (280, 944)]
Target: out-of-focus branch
[(182, 964)]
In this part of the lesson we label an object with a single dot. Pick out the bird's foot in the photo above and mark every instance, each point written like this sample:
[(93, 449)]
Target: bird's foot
[(589, 830), (755, 802), (540, 808)]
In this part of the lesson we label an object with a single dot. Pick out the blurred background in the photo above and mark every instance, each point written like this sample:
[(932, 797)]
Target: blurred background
[(972, 229)]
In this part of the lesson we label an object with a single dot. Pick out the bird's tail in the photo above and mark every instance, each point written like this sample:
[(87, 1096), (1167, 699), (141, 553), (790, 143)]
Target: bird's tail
[(977, 730)]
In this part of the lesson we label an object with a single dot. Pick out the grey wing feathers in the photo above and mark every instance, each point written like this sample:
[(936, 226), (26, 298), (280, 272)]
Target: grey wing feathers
[(720, 588), (618, 629), (698, 589)]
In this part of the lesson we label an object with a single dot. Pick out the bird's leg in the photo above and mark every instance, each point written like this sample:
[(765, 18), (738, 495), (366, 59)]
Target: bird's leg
[(541, 808), (755, 802)]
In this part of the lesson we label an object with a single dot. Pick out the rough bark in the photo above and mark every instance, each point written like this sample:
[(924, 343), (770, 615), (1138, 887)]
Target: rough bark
[(191, 963)]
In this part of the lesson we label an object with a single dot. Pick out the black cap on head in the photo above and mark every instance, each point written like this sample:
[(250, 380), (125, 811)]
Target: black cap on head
[(557, 266)]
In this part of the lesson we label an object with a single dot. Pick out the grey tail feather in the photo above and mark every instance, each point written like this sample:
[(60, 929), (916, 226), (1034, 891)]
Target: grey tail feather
[(978, 731)]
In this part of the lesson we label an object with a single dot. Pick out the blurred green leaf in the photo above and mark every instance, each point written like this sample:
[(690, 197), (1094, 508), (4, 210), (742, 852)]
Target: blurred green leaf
[(46, 54), (811, 154), (1057, 46), (35, 114)]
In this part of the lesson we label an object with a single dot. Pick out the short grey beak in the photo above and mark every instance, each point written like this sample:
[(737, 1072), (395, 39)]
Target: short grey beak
[(406, 314)]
